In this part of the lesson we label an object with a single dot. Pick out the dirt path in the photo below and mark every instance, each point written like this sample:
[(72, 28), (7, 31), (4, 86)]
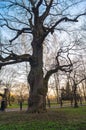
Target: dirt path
[(15, 109)]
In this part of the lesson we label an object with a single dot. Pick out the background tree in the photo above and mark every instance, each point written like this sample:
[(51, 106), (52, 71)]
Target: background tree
[(8, 77)]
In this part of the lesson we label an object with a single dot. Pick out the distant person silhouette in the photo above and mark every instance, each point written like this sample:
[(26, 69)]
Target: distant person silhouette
[(3, 105), (20, 103)]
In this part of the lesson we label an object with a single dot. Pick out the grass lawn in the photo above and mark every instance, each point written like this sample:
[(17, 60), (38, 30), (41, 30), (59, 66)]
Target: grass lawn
[(54, 119)]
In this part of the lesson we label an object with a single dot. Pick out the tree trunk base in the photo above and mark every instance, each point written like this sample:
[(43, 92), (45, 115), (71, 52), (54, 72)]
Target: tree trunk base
[(76, 106), (34, 110), (37, 104)]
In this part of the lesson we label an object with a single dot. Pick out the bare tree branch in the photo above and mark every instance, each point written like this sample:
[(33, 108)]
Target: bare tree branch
[(65, 67), (66, 19), (19, 32), (48, 7), (14, 58), (39, 3)]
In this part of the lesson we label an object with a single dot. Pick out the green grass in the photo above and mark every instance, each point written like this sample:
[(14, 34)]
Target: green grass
[(54, 119), (16, 105)]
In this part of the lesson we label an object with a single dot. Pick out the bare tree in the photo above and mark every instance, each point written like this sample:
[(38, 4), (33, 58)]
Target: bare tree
[(8, 77), (38, 19), (76, 80)]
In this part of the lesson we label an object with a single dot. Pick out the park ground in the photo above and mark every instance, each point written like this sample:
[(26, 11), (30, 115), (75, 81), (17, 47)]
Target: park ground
[(53, 119)]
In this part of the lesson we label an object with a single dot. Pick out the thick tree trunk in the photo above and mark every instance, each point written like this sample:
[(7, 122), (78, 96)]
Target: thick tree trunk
[(37, 95)]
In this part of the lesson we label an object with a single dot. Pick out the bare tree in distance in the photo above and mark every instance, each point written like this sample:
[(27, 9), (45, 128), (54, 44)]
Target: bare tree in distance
[(77, 77), (38, 19), (8, 78)]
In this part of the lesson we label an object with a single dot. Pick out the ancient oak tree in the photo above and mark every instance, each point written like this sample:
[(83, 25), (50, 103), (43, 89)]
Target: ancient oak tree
[(38, 18)]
